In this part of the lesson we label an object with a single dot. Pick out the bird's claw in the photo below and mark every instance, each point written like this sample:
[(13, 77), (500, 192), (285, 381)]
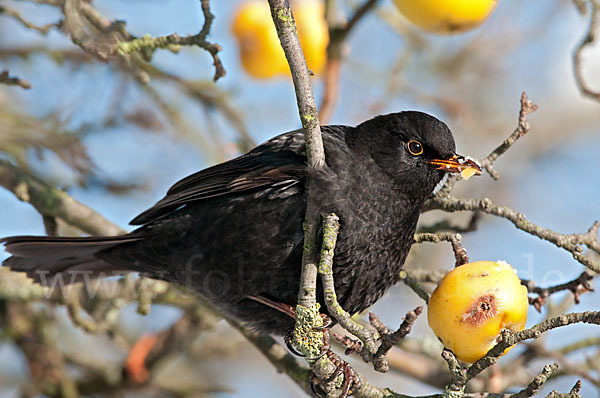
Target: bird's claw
[(294, 351), (327, 323), (288, 340), (351, 379)]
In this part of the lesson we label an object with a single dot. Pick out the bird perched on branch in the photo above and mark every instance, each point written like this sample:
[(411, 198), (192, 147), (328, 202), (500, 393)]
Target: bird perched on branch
[(234, 231)]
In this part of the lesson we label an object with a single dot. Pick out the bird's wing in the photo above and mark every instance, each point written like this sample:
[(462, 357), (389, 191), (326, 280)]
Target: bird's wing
[(278, 163)]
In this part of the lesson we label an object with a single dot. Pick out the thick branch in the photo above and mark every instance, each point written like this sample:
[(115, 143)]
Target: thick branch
[(279, 357), (286, 30), (307, 308)]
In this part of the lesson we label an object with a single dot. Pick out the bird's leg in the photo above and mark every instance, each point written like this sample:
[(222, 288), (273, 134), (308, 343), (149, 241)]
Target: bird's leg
[(351, 378), (291, 311), (282, 307), (286, 309)]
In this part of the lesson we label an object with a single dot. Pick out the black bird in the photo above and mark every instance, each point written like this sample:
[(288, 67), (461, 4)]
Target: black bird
[(234, 230)]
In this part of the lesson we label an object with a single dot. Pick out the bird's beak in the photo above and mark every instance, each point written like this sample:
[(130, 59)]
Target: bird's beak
[(458, 164)]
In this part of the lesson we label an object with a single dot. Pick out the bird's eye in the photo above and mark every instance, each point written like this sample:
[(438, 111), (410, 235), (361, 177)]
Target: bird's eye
[(414, 147)]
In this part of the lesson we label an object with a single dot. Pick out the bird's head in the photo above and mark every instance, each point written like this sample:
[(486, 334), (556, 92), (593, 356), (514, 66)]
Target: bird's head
[(415, 149)]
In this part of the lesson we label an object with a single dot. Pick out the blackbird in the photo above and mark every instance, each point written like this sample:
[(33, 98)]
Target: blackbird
[(234, 231)]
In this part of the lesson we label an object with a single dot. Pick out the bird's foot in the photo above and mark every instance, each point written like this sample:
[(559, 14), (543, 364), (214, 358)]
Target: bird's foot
[(327, 323), (351, 381)]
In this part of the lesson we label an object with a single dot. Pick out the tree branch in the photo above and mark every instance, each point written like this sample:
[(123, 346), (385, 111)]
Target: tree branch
[(307, 309), (460, 254), (338, 33), (331, 228), (577, 286), (13, 81), (570, 242), (523, 128), (286, 30), (533, 388), (508, 339), (414, 284), (14, 14), (526, 108), (53, 202), (97, 35), (148, 44)]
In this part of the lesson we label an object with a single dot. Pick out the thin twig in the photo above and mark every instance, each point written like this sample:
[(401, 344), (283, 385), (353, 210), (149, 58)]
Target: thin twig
[(338, 33), (147, 44), (585, 343), (570, 242), (13, 81), (523, 128), (539, 351), (414, 285), (537, 383), (577, 286), (14, 14), (460, 254), (446, 225), (460, 376), (389, 338)]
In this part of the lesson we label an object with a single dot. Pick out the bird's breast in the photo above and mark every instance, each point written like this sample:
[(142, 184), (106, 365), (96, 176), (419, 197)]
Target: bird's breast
[(376, 231)]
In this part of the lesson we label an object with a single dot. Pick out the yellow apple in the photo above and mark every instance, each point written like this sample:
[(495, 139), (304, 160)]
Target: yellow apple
[(446, 16), (260, 52), (473, 303)]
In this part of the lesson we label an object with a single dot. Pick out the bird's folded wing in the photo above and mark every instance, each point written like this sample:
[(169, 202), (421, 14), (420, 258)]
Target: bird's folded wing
[(259, 169)]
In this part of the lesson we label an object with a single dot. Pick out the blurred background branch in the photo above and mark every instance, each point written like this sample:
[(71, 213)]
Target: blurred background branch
[(5, 78)]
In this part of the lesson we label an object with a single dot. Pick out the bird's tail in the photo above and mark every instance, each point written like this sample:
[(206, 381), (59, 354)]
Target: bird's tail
[(46, 258)]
